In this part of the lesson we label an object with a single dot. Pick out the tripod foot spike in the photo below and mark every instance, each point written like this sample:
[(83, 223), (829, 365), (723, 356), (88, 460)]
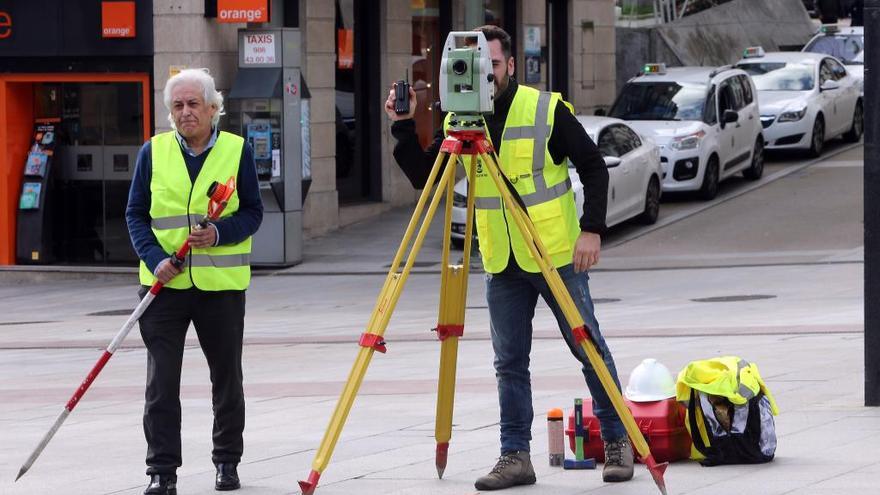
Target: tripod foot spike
[(308, 487), (440, 458), (21, 473), (656, 469)]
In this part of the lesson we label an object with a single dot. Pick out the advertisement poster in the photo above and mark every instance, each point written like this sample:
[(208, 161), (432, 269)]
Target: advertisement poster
[(36, 163), (30, 196), (345, 48), (259, 138), (533, 54)]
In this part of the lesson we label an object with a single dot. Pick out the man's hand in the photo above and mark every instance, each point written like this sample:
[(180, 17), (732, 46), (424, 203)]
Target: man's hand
[(586, 251), (389, 105), (202, 238), (166, 271)]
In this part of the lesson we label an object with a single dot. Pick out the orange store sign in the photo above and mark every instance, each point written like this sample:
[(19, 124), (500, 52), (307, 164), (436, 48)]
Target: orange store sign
[(117, 20), (5, 25), (242, 11)]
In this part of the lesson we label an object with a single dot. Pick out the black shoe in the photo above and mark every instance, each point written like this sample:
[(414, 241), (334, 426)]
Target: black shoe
[(227, 477), (162, 484)]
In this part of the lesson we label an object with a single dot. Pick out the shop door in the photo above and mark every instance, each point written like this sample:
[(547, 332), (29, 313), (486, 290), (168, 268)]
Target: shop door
[(102, 131)]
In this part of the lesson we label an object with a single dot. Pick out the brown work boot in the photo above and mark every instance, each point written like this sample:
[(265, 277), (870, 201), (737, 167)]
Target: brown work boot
[(618, 461), (512, 468)]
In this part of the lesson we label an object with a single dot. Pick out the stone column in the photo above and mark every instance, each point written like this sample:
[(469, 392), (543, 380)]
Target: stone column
[(183, 36), (321, 211), (396, 46), (593, 73)]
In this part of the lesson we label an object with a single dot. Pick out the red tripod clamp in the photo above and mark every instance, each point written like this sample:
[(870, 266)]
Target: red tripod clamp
[(446, 331), (469, 142), (376, 342), (580, 334)]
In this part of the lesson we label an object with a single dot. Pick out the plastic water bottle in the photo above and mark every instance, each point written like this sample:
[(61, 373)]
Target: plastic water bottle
[(555, 437)]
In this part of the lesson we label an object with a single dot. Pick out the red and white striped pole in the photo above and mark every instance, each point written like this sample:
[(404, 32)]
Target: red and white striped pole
[(219, 194)]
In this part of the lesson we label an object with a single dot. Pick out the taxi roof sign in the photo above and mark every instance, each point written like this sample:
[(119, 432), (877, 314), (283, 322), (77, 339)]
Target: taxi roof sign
[(753, 52), (829, 28), (654, 69)]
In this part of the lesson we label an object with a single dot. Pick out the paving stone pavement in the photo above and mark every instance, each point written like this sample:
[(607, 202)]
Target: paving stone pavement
[(302, 325)]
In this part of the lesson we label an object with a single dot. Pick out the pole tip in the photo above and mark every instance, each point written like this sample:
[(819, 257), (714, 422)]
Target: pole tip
[(21, 473), (657, 469), (308, 486), (440, 458)]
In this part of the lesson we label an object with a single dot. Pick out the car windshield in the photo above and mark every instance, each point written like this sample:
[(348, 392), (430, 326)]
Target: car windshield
[(780, 76), (660, 101), (844, 47)]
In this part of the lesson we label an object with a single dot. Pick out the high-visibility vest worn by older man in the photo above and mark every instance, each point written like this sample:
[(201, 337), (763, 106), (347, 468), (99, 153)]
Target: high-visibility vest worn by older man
[(177, 204), (544, 187)]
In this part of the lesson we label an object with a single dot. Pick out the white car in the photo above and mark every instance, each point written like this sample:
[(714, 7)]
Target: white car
[(704, 119), (806, 99), (634, 173), (845, 43)]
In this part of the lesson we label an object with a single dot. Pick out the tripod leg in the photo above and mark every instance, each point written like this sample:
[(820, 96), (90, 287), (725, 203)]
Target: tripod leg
[(574, 319), (450, 323), (372, 340)]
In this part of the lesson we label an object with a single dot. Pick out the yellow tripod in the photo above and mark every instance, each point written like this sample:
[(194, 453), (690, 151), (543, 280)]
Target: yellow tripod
[(468, 138)]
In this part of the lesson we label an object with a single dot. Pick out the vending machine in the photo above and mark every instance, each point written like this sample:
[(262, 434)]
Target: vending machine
[(267, 105)]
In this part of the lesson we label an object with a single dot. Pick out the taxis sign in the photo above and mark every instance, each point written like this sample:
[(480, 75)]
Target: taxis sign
[(233, 11)]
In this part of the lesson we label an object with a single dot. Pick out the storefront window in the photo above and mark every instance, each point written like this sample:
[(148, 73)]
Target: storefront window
[(358, 165), (427, 47), (494, 12), (101, 133), (345, 131)]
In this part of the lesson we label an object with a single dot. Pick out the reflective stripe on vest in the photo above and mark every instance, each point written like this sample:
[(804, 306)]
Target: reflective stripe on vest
[(544, 187), (177, 204)]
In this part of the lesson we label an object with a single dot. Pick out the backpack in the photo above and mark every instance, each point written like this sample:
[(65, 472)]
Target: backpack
[(729, 412)]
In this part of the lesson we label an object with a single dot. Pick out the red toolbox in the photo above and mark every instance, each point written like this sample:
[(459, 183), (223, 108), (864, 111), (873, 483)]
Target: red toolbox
[(661, 422)]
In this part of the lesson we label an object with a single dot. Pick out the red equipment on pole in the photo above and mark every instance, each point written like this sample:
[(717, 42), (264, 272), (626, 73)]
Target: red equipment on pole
[(219, 195)]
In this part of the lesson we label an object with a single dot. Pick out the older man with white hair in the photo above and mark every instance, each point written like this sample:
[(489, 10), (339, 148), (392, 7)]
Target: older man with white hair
[(168, 192)]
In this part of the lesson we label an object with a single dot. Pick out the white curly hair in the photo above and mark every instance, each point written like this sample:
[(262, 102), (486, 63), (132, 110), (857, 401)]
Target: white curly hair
[(204, 79)]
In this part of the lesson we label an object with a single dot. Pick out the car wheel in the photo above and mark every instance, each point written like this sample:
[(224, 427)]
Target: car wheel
[(757, 169), (652, 203), (817, 140), (709, 189), (858, 125), (457, 243)]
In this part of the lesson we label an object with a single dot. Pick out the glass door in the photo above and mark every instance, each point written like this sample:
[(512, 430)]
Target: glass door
[(101, 133)]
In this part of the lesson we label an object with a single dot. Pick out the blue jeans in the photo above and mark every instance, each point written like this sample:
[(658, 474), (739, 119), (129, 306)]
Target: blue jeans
[(512, 297)]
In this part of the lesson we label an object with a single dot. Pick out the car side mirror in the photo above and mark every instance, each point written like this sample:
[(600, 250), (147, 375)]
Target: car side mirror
[(612, 161), (600, 112), (730, 117), (829, 85)]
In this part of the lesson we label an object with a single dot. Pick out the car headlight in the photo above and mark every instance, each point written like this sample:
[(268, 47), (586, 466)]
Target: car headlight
[(688, 142), (459, 200), (792, 116)]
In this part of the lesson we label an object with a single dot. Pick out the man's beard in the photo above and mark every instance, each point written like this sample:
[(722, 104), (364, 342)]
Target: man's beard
[(499, 88)]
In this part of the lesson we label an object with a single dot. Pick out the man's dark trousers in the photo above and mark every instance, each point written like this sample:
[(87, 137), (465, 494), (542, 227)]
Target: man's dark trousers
[(218, 318)]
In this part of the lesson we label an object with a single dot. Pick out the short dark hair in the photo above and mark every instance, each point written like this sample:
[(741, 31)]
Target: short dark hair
[(492, 32)]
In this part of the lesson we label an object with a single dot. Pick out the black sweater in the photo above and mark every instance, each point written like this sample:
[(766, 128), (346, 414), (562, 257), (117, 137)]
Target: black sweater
[(568, 140)]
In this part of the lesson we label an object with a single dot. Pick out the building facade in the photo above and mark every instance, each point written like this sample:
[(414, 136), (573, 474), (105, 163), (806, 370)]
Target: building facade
[(103, 92)]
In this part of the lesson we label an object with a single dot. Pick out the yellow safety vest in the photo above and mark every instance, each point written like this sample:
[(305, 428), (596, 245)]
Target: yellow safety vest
[(176, 205), (544, 187)]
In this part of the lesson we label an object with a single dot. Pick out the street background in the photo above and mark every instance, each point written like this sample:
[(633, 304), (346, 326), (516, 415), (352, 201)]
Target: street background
[(770, 271)]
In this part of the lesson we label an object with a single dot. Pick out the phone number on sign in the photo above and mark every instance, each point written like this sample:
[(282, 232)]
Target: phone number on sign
[(259, 59)]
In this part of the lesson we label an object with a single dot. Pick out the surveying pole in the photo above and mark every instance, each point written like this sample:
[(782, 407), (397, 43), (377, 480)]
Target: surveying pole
[(872, 205)]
